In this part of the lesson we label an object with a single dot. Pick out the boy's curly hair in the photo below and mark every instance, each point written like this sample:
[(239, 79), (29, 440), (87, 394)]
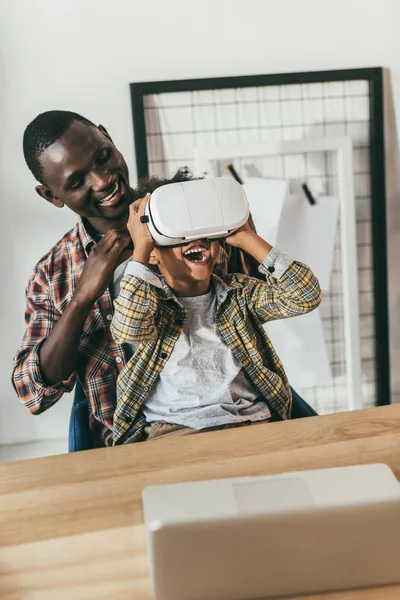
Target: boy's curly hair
[(147, 185)]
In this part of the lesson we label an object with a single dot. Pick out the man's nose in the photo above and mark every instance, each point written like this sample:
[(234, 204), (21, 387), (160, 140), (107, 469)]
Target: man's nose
[(100, 181)]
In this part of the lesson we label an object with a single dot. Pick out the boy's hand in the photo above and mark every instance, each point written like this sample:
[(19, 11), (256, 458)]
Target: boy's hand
[(249, 241), (241, 237), (143, 243)]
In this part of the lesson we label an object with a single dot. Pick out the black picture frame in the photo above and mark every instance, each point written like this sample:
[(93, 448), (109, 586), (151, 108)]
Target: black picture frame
[(374, 77)]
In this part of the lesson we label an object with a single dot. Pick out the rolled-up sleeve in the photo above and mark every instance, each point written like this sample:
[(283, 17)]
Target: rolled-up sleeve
[(40, 318), (290, 289)]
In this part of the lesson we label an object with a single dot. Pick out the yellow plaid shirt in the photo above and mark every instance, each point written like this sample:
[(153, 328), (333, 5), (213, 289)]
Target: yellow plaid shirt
[(149, 316)]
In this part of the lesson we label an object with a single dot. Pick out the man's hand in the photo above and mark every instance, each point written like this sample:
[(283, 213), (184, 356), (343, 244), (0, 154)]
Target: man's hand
[(59, 353), (143, 243), (104, 258)]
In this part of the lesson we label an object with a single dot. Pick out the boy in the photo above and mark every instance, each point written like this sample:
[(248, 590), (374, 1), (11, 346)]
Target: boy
[(201, 358)]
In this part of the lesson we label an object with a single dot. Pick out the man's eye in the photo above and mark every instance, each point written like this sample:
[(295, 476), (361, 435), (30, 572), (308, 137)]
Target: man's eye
[(76, 185), (104, 156)]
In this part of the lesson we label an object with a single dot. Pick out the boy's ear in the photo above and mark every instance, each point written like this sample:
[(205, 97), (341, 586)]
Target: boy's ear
[(153, 259), (48, 195)]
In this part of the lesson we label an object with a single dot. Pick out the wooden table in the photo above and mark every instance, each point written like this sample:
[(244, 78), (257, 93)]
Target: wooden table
[(71, 526)]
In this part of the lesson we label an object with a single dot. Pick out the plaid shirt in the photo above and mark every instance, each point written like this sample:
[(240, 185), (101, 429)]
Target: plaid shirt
[(100, 359), (148, 315), (48, 293)]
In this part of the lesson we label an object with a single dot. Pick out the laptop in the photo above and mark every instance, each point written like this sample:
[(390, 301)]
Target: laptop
[(273, 536)]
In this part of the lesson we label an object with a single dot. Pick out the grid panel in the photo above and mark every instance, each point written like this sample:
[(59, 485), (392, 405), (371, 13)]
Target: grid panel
[(178, 122)]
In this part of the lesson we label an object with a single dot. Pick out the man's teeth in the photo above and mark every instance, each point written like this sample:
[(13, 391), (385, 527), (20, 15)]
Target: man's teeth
[(111, 194)]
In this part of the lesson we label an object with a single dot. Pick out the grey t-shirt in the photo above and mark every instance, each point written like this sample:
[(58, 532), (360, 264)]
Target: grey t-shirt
[(203, 384)]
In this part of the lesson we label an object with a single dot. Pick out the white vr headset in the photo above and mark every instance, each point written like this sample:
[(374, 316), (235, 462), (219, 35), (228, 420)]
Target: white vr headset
[(177, 213)]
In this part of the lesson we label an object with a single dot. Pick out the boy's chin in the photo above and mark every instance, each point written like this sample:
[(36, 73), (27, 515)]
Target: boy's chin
[(201, 273)]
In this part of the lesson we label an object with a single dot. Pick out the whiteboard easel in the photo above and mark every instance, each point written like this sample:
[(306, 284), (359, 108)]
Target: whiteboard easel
[(342, 149)]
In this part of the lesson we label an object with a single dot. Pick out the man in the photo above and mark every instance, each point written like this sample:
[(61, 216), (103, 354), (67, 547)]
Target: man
[(70, 293), (69, 303)]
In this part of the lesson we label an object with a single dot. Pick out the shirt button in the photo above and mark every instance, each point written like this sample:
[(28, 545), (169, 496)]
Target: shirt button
[(271, 269), (118, 360), (164, 355), (109, 317), (146, 388)]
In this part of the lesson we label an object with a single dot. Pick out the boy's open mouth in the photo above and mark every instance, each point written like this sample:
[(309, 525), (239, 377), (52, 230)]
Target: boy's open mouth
[(197, 253)]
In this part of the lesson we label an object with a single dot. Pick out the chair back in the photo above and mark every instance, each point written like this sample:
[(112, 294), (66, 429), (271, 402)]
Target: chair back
[(79, 432)]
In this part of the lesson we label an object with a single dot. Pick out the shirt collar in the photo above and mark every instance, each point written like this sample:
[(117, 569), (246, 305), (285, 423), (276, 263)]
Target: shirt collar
[(222, 288), (86, 239)]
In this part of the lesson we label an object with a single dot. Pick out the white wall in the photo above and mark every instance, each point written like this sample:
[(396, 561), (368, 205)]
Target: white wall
[(82, 54)]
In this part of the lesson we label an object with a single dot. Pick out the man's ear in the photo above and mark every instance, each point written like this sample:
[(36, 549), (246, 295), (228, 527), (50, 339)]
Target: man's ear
[(48, 195), (105, 132), (154, 259)]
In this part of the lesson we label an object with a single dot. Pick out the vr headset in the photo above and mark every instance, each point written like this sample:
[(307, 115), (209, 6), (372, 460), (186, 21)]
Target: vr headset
[(204, 209)]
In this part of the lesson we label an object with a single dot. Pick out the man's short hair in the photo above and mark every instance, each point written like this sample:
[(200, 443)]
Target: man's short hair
[(44, 130)]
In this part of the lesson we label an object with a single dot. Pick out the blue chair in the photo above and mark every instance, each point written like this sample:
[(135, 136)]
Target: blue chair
[(79, 432), (79, 437), (300, 408)]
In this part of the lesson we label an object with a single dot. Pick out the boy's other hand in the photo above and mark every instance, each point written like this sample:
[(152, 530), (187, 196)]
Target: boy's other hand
[(143, 243), (240, 238), (246, 239)]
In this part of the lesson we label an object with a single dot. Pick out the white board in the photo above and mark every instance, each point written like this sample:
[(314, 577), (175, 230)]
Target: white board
[(307, 232), (266, 199), (301, 347)]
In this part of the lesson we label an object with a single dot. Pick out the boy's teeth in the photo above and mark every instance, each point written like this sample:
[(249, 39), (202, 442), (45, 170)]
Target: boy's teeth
[(194, 250)]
